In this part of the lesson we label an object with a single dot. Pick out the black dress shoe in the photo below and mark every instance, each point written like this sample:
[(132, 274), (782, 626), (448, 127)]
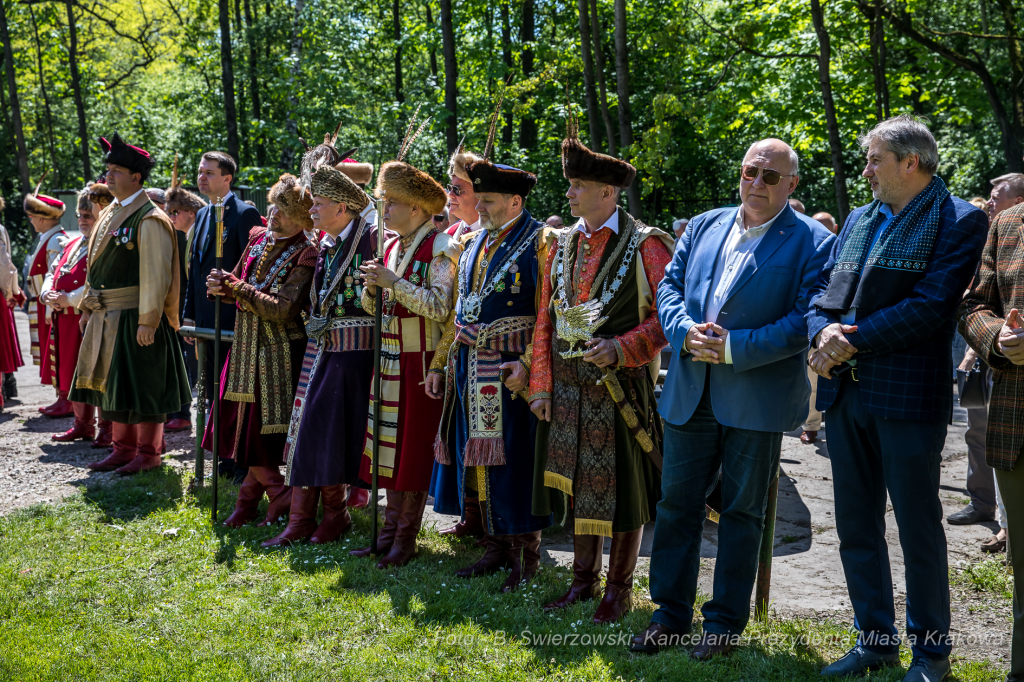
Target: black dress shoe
[(858, 661), (925, 669), (712, 644), (969, 515), (655, 638)]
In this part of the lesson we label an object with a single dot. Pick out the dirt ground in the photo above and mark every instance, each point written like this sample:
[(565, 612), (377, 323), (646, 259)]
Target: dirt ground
[(807, 577)]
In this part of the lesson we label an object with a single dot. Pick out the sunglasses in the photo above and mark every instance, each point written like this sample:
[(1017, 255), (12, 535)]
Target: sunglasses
[(453, 189), (439, 218), (770, 176), (101, 199)]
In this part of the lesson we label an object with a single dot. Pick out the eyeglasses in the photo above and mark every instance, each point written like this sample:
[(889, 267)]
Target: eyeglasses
[(770, 176), (454, 189), (101, 199), (439, 218), (174, 213)]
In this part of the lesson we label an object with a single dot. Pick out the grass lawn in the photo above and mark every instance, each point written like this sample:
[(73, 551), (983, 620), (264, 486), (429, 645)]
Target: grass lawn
[(129, 582)]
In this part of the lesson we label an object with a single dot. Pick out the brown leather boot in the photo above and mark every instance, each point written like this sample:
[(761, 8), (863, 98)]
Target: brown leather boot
[(126, 446), (407, 527), (386, 536), (337, 520), (247, 504), (496, 558), (280, 494), (472, 522), (524, 556), (618, 592), (301, 519), (587, 553)]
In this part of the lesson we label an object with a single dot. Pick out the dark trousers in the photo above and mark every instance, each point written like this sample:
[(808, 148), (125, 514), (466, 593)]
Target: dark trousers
[(188, 352), (1011, 485), (981, 485), (694, 452), (870, 456)]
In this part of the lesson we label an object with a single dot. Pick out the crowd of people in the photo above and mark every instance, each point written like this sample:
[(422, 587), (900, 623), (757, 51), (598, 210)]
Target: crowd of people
[(519, 362)]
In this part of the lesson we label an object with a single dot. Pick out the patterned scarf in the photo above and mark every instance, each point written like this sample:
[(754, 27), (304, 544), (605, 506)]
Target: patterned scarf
[(486, 342), (872, 280)]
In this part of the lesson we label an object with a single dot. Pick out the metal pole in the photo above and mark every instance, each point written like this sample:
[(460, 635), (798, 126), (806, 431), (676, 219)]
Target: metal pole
[(219, 265), (378, 320), (762, 593), (200, 410)]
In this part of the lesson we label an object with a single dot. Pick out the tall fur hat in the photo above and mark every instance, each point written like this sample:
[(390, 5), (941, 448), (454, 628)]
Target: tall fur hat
[(290, 199), (120, 153), (322, 177), (360, 173), (42, 206), (407, 184), (581, 163), (497, 177), (458, 162), (179, 198), (101, 189)]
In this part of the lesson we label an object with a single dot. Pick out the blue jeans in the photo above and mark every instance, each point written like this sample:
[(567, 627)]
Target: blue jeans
[(694, 452), (871, 456)]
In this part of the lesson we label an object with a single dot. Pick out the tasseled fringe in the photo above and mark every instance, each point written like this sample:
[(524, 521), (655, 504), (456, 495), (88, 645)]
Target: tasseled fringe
[(242, 398), (553, 480), (274, 428), (485, 452), (593, 527), (99, 385), (440, 451)]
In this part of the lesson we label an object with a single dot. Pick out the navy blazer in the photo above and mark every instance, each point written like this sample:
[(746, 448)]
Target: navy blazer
[(239, 219), (766, 387), (904, 351)]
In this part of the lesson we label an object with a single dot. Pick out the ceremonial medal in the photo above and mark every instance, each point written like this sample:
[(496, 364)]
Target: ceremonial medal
[(274, 290), (124, 239), (471, 307), (514, 268), (514, 289), (500, 286), (129, 246)]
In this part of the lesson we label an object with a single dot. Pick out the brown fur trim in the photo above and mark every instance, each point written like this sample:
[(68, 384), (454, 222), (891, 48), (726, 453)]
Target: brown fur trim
[(336, 185), (497, 177), (101, 189), (408, 185), (180, 199), (360, 173), (40, 206), (580, 163), (290, 200), (457, 164)]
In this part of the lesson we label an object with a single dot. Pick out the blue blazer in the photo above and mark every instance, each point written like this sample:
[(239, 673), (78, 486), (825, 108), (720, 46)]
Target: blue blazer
[(239, 219), (766, 387), (904, 363)]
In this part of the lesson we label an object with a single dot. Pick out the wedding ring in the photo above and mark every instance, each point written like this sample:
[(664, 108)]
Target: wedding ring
[(833, 354)]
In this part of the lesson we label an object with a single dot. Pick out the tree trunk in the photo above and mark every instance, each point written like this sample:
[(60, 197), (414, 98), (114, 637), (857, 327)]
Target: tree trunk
[(588, 76), (595, 30), (76, 91), (288, 154), (396, 19), (12, 87), (506, 56), (1016, 60), (834, 141), (622, 88), (254, 86), (451, 76), (46, 98), (876, 28), (242, 122), (433, 52), (228, 79), (527, 122)]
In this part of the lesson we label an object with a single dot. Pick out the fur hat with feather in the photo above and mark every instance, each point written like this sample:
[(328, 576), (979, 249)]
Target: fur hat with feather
[(407, 184), (580, 163), (43, 206), (321, 175)]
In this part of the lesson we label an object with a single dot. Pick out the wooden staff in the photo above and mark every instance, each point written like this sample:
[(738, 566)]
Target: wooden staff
[(378, 339), (219, 265)]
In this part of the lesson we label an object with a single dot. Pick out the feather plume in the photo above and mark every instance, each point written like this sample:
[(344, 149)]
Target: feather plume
[(40, 183), (489, 147), (174, 172), (411, 136), (572, 120)]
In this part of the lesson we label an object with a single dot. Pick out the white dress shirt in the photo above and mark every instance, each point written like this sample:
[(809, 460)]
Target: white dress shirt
[(737, 249), (328, 241), (612, 224), (129, 199), (204, 228)]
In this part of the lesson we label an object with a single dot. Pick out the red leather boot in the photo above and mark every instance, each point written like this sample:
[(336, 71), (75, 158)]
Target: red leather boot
[(247, 504), (150, 436), (104, 435), (84, 427), (407, 527), (587, 551), (280, 494), (386, 536), (301, 519), (61, 408), (126, 445), (618, 590), (337, 520), (358, 497)]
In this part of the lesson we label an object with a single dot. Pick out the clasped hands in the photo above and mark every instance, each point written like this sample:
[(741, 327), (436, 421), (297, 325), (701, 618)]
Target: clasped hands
[(704, 347), (58, 300), (1010, 341), (833, 349)]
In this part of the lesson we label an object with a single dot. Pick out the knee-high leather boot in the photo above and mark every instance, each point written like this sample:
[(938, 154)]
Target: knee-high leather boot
[(618, 592), (150, 437), (247, 504), (588, 551), (84, 427), (126, 446), (524, 557), (472, 523), (280, 494), (337, 520), (104, 435), (407, 527), (386, 535), (301, 519), (495, 558)]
